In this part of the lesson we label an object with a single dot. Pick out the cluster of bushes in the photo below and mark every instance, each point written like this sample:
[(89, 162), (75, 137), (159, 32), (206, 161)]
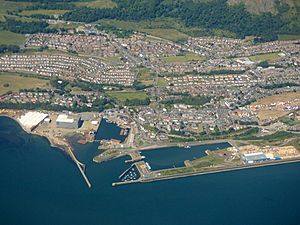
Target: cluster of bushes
[(26, 27), (137, 102)]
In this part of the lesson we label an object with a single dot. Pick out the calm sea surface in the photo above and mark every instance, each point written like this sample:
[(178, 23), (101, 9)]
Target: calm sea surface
[(41, 186)]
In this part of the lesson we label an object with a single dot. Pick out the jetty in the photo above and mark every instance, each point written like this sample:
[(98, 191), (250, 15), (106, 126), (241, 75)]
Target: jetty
[(80, 166)]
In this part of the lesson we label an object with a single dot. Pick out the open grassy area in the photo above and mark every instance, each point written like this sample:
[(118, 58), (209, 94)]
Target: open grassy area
[(97, 4), (13, 82), (43, 12), (209, 160), (69, 25), (147, 77), (10, 38), (10, 6), (265, 57), (161, 81), (187, 57), (164, 28), (176, 171), (123, 95), (113, 59), (287, 37)]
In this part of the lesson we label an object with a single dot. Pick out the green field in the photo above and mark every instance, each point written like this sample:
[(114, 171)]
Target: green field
[(10, 38), (161, 81), (288, 121), (43, 12), (287, 37), (13, 82), (187, 57), (97, 4), (123, 95), (265, 57), (209, 160), (145, 76)]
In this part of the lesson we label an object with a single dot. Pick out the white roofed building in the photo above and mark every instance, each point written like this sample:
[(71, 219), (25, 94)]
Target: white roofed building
[(32, 119), (67, 121)]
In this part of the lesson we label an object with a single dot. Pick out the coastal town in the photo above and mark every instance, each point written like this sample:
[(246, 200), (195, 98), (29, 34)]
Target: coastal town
[(160, 112), (159, 93)]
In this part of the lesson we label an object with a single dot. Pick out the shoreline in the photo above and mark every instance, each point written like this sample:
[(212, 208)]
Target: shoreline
[(66, 147)]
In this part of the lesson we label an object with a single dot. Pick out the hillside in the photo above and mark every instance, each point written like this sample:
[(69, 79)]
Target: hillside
[(232, 18), (207, 14), (261, 6)]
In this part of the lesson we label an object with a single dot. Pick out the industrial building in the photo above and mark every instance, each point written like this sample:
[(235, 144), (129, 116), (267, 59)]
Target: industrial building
[(32, 119), (254, 157), (68, 121)]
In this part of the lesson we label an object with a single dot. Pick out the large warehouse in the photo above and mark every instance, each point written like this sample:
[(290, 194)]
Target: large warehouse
[(32, 119), (67, 121)]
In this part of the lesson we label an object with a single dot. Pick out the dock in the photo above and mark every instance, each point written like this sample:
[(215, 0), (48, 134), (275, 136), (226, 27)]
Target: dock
[(143, 168)]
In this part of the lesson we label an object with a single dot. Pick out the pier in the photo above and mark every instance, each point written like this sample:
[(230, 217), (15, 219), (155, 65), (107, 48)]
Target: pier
[(80, 166)]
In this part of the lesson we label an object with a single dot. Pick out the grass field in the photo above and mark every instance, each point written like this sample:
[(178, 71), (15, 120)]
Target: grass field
[(265, 57), (10, 38), (123, 95), (287, 37), (187, 57), (13, 82), (146, 77), (97, 4), (43, 12)]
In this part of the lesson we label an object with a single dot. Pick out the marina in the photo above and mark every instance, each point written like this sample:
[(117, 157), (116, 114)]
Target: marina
[(109, 130), (130, 174)]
